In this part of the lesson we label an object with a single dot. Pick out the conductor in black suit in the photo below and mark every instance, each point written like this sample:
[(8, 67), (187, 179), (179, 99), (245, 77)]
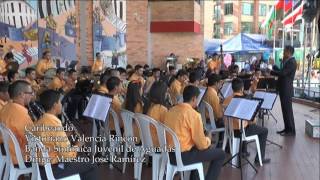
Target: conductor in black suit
[(286, 76)]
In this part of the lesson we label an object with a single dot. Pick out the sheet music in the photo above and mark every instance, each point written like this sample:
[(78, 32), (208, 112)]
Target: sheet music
[(241, 108), (98, 107), (202, 92), (226, 89), (268, 99), (200, 97)]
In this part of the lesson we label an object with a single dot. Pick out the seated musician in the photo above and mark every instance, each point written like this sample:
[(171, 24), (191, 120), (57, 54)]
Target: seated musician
[(31, 78), (250, 128), (114, 88), (98, 65), (138, 75), (50, 101), (134, 102), (152, 79), (13, 76), (214, 64), (194, 78), (103, 84), (14, 115), (211, 97), (4, 95), (58, 82), (3, 64), (177, 86), (44, 64), (124, 81), (71, 79), (155, 107), (255, 81), (186, 122)]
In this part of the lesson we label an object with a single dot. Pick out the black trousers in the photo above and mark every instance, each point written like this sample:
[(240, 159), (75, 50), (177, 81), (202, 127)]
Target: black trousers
[(87, 171), (262, 133), (287, 112), (214, 156)]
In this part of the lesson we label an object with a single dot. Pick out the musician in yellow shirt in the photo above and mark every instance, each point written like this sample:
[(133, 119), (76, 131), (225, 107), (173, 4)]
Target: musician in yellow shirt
[(71, 79), (194, 78), (211, 97), (4, 95), (31, 78), (103, 84), (214, 64), (62, 148), (58, 82), (14, 115), (177, 86), (137, 76), (3, 65), (114, 88), (186, 122), (152, 79), (250, 128), (98, 65), (156, 108), (44, 64)]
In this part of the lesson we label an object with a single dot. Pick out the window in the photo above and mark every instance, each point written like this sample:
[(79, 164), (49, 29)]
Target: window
[(228, 9), (26, 9), (21, 21), (198, 1), (12, 8), (246, 27), (262, 10), (216, 30), (217, 12), (20, 7), (247, 9), (228, 28), (27, 20), (8, 8), (9, 20), (14, 21)]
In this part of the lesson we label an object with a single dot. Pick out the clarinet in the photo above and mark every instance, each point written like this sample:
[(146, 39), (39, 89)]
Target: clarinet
[(67, 122), (35, 111)]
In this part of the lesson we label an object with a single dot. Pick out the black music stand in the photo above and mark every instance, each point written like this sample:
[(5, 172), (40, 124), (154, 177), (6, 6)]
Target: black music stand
[(268, 99), (245, 110)]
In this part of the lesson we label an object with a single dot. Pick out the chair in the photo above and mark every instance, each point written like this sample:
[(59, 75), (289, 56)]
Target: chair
[(20, 169), (235, 142), (163, 131), (211, 127), (34, 143), (3, 168), (117, 129), (128, 120), (144, 124)]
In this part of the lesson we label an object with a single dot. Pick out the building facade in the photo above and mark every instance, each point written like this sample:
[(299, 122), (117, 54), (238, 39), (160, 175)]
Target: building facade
[(230, 17), (17, 13)]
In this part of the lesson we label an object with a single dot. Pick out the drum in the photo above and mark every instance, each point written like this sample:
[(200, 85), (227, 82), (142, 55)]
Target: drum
[(49, 74)]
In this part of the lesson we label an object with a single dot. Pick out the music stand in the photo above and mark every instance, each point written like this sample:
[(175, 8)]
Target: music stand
[(98, 110), (244, 110), (268, 99)]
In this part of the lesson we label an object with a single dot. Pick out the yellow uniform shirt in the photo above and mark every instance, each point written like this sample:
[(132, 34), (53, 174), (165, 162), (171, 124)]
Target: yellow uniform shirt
[(212, 98), (158, 113), (15, 117), (42, 66), (35, 86), (97, 66), (187, 124), (149, 82), (2, 103), (50, 120), (56, 84), (176, 90), (3, 65), (213, 65), (235, 121), (103, 90), (116, 106)]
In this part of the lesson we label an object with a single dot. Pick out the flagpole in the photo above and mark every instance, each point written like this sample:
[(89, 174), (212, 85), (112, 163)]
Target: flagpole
[(291, 26), (274, 33), (283, 33)]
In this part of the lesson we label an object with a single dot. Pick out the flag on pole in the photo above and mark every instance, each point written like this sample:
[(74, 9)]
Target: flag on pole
[(284, 4), (268, 22), (295, 15)]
